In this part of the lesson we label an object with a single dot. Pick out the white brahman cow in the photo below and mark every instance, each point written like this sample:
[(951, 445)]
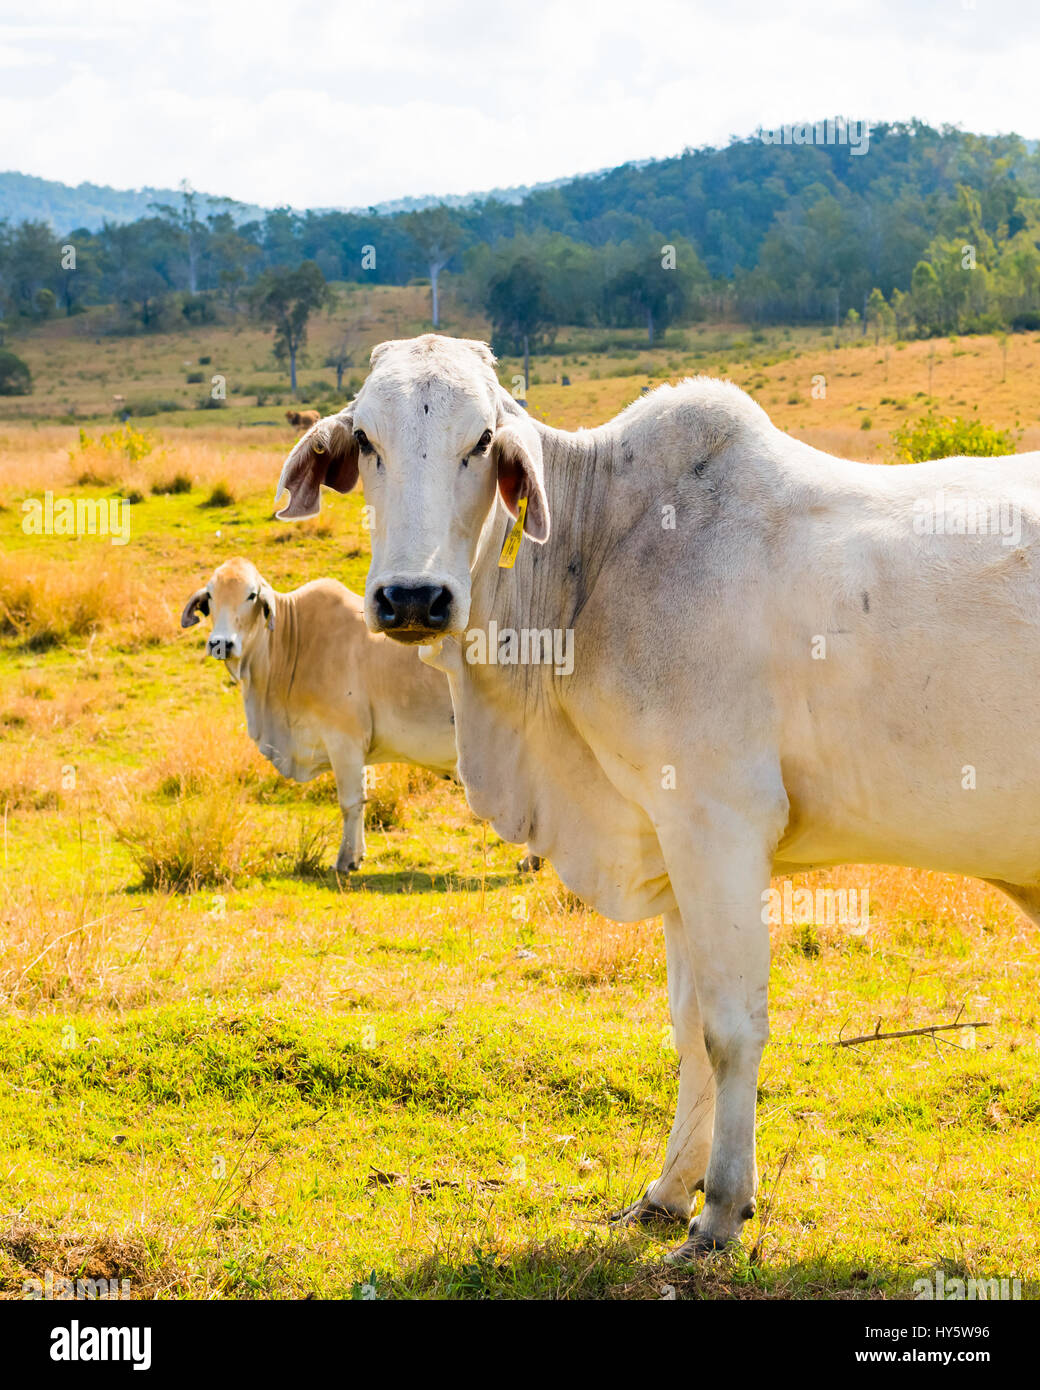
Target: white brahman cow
[(320, 690), (781, 660)]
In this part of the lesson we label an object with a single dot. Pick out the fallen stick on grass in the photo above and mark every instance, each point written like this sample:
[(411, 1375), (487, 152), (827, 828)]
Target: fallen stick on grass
[(878, 1036)]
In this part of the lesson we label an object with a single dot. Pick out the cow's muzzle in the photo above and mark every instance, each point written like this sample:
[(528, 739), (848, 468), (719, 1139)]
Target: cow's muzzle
[(412, 612), (221, 647)]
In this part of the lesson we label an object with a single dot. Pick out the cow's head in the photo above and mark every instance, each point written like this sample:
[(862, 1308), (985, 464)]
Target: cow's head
[(435, 439), (240, 602)]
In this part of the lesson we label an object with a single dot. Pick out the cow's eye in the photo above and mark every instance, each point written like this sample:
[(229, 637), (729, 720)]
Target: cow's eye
[(251, 597), (481, 447), (362, 441)]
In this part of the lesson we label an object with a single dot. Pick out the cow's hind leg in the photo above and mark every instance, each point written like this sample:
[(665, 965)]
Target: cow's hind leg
[(1026, 899), (670, 1197)]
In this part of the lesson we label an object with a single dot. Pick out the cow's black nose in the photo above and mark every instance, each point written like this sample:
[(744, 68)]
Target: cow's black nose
[(418, 607)]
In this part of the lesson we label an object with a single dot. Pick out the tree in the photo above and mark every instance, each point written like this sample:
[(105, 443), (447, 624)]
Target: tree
[(32, 263), (15, 377), (230, 256), (653, 286), (135, 260), (80, 274), (519, 308), (339, 359), (5, 251), (879, 316), (902, 311), (437, 235), (192, 234), (926, 298), (285, 300)]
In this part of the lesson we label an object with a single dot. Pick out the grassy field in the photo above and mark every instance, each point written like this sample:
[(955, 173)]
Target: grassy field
[(846, 397), (224, 1072)]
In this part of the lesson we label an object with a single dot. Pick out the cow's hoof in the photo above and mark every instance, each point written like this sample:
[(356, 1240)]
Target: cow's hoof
[(647, 1212), (697, 1246), (347, 866)]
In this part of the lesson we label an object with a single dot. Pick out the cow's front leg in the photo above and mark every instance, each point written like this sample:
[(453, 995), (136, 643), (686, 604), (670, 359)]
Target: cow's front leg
[(349, 769), (352, 845), (670, 1197), (719, 869)]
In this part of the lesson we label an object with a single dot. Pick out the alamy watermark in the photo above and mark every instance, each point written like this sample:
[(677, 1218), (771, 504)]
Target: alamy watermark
[(956, 515), (62, 1287), (942, 1286), (836, 131), (76, 1343), (77, 516), (526, 646), (819, 907)]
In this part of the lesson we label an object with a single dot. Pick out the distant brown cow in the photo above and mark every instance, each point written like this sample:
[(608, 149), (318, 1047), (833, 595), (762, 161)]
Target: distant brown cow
[(321, 691), (302, 419)]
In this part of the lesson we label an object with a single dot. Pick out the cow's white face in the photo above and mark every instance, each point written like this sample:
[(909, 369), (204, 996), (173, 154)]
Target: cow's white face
[(241, 604), (434, 438)]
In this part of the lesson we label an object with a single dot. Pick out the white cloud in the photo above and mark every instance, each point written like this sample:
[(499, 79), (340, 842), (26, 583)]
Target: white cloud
[(14, 57), (325, 103)]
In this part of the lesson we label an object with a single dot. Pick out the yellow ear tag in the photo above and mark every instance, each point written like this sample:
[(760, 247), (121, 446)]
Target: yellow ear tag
[(511, 546)]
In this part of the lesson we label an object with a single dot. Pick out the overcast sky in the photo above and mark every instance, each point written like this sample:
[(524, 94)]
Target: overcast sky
[(346, 104)]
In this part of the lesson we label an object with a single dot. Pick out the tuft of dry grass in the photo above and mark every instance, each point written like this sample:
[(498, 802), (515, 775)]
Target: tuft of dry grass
[(29, 1252), (56, 948), (220, 495), (47, 601), (389, 788), (595, 951), (191, 760), (309, 854), (195, 842), (29, 780), (179, 483)]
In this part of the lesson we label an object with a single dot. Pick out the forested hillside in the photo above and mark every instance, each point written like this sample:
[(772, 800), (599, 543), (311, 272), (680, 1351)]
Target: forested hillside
[(927, 231)]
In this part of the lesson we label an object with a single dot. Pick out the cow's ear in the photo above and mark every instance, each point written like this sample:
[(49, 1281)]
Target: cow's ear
[(267, 604), (327, 453), (198, 603), (516, 451)]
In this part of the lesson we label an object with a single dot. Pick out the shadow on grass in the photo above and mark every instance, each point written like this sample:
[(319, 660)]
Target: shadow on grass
[(419, 881), (402, 881), (631, 1266)]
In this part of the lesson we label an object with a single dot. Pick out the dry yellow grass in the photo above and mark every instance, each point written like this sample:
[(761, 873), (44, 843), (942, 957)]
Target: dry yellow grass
[(33, 459), (49, 601), (886, 384), (78, 366)]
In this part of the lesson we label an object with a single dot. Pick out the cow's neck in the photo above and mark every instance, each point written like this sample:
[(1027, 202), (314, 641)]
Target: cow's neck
[(524, 768), (549, 585), (269, 664)]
